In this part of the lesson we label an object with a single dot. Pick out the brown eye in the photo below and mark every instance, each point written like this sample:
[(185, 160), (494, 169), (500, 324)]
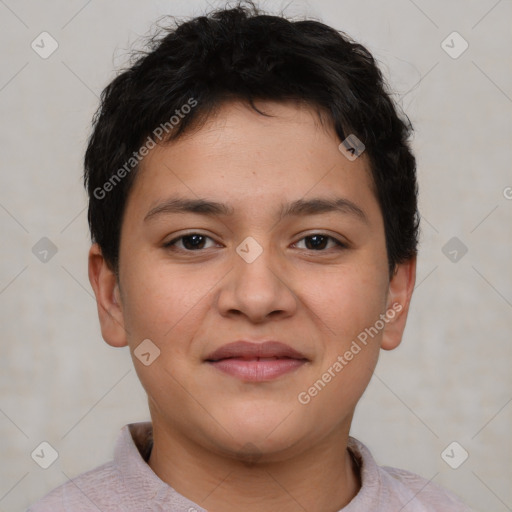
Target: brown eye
[(316, 242), (319, 242), (192, 242)]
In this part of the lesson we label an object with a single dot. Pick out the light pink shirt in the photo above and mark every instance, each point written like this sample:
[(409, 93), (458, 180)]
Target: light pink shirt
[(128, 484)]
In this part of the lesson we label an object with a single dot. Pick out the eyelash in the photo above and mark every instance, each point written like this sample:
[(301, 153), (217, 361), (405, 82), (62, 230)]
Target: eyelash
[(172, 244)]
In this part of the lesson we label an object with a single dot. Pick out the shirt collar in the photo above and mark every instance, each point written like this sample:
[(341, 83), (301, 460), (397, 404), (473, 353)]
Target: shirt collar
[(145, 487), (142, 485)]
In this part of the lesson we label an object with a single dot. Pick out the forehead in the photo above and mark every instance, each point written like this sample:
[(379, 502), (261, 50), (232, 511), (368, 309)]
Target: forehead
[(241, 156)]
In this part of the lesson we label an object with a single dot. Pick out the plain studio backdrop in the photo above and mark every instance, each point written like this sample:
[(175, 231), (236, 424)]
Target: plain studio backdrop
[(449, 64)]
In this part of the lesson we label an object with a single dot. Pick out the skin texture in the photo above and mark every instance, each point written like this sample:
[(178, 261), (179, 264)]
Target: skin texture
[(224, 443)]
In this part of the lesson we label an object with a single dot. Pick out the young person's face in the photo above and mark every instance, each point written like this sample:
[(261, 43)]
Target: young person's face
[(309, 293)]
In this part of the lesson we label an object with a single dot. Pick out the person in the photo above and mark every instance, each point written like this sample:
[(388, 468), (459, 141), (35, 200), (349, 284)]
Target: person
[(253, 212)]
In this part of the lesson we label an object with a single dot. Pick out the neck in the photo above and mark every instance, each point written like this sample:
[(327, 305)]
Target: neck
[(323, 478)]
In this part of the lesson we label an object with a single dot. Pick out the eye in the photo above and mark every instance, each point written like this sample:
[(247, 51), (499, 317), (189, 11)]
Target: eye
[(319, 242), (191, 242)]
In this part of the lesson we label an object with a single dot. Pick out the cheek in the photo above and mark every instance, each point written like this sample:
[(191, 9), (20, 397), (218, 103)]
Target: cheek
[(164, 304), (335, 393), (345, 300), (162, 300), (344, 306)]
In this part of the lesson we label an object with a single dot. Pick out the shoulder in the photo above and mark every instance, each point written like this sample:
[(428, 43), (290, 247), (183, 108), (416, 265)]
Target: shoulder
[(94, 490), (386, 488), (420, 493), (111, 486)]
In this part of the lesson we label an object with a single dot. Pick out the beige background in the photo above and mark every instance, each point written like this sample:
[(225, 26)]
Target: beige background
[(449, 381)]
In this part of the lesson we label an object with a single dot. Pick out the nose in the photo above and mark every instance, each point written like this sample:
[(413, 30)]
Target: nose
[(257, 289)]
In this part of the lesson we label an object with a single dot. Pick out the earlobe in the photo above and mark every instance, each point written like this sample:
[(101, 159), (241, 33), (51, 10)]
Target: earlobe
[(106, 289), (400, 291)]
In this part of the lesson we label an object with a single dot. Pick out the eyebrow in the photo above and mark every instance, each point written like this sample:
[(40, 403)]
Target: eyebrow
[(303, 207), (300, 207), (181, 205)]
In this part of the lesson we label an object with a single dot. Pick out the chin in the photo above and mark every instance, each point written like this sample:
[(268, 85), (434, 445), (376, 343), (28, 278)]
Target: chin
[(262, 438)]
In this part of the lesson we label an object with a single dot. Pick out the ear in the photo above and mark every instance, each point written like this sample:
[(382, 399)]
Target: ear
[(104, 283), (400, 291)]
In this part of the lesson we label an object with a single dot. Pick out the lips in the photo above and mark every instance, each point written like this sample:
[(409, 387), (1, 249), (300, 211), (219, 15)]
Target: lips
[(247, 350), (256, 362)]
